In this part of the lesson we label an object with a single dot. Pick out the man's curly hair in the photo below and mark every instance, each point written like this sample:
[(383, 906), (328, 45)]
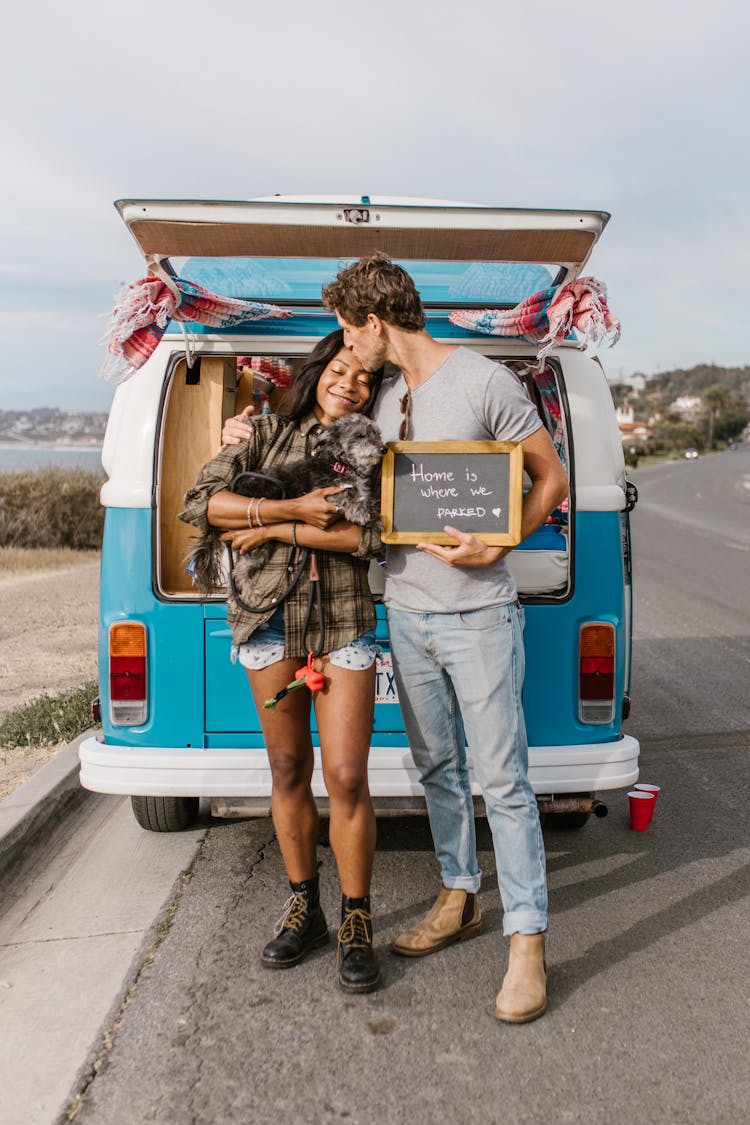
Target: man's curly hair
[(377, 285)]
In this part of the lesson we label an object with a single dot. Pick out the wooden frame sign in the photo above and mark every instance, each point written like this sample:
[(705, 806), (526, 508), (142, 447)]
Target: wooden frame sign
[(475, 486)]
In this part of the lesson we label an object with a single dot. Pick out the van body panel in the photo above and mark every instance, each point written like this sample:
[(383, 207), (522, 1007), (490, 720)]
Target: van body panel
[(599, 459), (550, 695), (176, 712), (128, 453)]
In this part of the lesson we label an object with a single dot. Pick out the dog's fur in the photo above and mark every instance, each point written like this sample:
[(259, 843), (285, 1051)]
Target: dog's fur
[(348, 452)]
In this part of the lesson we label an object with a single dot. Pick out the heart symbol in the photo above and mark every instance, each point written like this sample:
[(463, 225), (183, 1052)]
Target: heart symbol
[(496, 512)]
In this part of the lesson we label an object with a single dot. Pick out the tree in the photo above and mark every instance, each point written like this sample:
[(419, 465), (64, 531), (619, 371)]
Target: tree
[(673, 433), (726, 414)]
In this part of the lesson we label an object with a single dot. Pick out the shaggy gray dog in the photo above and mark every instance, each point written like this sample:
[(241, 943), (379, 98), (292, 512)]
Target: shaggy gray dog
[(347, 452)]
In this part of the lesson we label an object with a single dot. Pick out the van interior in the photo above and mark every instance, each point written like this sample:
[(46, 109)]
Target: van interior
[(199, 399)]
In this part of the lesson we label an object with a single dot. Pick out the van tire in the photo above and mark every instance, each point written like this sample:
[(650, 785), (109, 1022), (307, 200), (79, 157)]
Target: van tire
[(165, 814), (565, 821)]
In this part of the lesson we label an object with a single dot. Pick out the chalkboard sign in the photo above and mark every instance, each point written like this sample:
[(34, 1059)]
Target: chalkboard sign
[(475, 486)]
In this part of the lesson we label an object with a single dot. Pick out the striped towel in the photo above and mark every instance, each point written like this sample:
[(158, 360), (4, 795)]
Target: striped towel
[(143, 312), (549, 316)]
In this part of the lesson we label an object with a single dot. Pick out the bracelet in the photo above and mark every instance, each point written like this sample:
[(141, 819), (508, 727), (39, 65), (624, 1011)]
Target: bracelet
[(250, 514), (257, 512), (294, 534)]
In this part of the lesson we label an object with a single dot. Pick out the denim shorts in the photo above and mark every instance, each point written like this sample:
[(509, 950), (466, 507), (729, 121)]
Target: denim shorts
[(266, 647)]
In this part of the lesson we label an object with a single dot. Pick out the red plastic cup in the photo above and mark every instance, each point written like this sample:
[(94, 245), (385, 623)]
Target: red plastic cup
[(643, 788), (641, 809)]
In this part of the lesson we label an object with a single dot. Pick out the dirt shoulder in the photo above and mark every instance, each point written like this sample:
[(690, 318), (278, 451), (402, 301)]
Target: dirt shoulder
[(48, 644)]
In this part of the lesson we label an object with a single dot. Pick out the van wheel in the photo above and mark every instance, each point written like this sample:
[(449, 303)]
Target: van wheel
[(564, 821), (165, 814)]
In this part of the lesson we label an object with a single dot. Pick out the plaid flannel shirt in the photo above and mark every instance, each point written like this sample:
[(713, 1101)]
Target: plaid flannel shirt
[(346, 599)]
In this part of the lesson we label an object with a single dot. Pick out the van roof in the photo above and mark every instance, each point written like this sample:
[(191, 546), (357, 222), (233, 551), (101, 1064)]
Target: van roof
[(287, 248)]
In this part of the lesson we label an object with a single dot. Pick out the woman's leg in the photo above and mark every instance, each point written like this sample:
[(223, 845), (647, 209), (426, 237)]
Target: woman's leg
[(344, 709), (286, 730), (345, 713)]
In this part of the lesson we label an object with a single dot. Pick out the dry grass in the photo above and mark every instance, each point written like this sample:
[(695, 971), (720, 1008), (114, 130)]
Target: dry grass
[(51, 507), (49, 720), (15, 562), (31, 735)]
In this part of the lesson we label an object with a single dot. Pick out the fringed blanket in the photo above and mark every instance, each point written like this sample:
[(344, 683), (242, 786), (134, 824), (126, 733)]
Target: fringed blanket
[(145, 307), (271, 367), (550, 315)]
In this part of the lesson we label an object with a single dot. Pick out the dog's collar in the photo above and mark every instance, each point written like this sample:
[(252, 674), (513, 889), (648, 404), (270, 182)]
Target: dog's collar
[(334, 466)]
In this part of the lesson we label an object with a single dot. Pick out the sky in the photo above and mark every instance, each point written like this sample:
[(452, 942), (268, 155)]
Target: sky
[(635, 108)]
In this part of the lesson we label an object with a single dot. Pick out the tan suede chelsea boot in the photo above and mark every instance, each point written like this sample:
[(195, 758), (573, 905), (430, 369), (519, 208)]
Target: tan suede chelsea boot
[(455, 916), (523, 996)]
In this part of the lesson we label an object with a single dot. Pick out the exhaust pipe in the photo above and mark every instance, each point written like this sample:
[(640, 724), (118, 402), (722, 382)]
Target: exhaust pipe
[(573, 805)]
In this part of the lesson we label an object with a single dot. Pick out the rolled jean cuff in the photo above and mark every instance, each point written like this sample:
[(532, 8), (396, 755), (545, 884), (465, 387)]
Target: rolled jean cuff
[(468, 883), (524, 922)]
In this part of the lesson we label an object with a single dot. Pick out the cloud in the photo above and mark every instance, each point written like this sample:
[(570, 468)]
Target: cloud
[(626, 107)]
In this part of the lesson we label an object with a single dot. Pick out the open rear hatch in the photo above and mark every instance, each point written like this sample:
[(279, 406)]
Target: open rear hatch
[(457, 253)]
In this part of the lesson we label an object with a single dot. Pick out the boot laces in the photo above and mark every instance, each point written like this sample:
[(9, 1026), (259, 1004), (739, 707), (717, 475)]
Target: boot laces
[(354, 932), (293, 915)]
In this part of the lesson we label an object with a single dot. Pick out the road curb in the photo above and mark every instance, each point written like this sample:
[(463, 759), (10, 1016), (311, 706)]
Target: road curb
[(30, 814)]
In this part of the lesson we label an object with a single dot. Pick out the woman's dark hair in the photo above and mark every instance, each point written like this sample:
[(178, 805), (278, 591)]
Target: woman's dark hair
[(305, 384)]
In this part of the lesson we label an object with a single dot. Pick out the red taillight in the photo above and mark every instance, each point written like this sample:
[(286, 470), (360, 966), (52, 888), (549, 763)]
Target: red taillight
[(596, 676), (127, 677), (128, 691)]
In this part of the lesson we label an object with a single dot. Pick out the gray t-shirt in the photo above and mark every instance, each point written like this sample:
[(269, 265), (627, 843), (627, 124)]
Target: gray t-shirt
[(468, 398)]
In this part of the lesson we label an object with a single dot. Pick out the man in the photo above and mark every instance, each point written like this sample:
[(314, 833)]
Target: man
[(456, 626)]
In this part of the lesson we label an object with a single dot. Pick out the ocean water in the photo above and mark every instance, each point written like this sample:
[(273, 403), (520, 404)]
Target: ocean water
[(18, 458)]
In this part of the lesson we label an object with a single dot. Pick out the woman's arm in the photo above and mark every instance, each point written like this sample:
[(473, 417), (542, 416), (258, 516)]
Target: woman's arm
[(231, 511), (215, 477), (343, 538)]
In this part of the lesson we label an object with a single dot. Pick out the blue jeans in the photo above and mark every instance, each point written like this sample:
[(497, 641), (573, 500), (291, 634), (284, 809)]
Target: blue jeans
[(463, 672)]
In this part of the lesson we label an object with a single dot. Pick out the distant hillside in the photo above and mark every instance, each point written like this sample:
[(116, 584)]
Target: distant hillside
[(704, 407), (48, 425), (671, 385), (696, 380)]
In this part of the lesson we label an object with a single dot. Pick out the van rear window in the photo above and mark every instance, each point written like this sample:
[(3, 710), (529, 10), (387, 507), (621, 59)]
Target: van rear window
[(300, 280)]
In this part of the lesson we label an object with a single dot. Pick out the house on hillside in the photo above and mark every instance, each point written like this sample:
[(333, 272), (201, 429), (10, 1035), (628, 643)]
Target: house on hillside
[(632, 432), (636, 382), (635, 433), (689, 407)]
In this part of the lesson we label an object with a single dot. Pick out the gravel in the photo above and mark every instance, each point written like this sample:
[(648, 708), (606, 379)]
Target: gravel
[(48, 643)]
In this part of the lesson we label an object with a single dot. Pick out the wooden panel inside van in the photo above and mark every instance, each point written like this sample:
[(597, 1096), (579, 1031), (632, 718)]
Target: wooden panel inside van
[(194, 415)]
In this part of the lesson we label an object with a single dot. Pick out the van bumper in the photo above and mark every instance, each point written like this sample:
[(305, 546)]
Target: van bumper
[(193, 772)]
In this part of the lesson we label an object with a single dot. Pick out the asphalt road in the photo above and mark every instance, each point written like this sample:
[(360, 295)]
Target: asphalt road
[(648, 965), (692, 583)]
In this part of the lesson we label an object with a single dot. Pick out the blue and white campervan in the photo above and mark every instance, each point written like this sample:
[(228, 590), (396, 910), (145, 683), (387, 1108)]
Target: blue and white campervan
[(177, 716)]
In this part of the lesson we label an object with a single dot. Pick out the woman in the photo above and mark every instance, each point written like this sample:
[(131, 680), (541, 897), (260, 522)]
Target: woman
[(272, 645)]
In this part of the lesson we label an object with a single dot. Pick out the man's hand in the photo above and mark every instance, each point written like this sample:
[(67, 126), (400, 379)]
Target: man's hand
[(236, 429), (470, 552), (246, 539)]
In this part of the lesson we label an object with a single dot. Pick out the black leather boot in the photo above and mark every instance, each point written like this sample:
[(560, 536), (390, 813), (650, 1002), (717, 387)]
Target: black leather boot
[(300, 928), (358, 967)]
